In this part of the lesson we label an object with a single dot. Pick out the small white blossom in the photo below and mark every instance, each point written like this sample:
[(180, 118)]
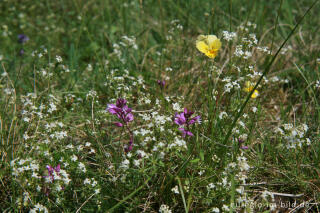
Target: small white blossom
[(58, 58), (175, 190)]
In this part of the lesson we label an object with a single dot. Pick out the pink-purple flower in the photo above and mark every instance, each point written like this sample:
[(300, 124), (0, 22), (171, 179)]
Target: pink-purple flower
[(184, 120), (51, 171), (161, 83), (122, 111), (124, 114), (22, 38), (240, 141)]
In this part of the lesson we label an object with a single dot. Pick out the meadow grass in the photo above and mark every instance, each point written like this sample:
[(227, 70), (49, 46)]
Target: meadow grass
[(108, 106)]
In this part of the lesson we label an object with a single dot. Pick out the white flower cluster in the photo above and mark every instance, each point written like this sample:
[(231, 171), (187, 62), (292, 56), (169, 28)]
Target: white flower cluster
[(125, 42), (175, 190), (294, 135), (19, 166), (229, 36), (175, 27), (240, 52), (39, 208), (245, 27), (264, 49), (230, 84), (179, 143), (164, 209), (93, 184), (129, 41)]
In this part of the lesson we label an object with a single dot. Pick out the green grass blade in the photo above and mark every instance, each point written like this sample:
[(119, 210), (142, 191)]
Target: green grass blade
[(182, 195), (129, 196)]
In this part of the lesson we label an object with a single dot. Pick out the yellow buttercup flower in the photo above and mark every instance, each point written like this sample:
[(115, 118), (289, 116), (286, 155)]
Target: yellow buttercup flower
[(209, 45), (249, 87)]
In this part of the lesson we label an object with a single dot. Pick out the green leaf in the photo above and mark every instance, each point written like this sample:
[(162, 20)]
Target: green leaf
[(195, 160), (157, 36), (201, 155)]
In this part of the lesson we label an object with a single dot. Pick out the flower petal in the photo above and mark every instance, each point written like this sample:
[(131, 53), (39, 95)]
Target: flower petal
[(202, 46), (255, 94), (118, 124), (211, 39), (215, 45)]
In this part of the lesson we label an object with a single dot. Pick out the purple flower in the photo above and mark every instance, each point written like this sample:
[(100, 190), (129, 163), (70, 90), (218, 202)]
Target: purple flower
[(180, 119), (161, 83), (21, 52), (194, 120), (185, 132), (240, 141), (22, 38), (51, 171), (122, 111), (118, 124), (184, 119)]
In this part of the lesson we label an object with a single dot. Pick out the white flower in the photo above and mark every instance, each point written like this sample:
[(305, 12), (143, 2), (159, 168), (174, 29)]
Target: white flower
[(26, 119), (58, 58), (175, 190), (225, 208), (164, 209), (125, 164), (254, 109), (224, 181), (211, 186), (87, 181), (142, 154), (82, 167), (228, 35), (58, 188), (176, 107), (168, 69), (239, 52), (136, 163), (240, 190), (201, 172), (242, 163), (222, 115), (39, 207), (74, 158), (215, 210)]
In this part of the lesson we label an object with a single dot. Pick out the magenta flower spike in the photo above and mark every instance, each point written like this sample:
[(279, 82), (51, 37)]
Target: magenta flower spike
[(122, 111), (184, 120), (161, 83), (124, 114), (240, 141), (51, 170)]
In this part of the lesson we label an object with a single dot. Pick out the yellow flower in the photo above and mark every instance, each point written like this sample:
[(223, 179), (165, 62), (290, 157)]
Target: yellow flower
[(249, 87), (209, 45)]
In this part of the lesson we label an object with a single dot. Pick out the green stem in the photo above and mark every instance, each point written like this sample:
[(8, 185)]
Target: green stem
[(130, 195)]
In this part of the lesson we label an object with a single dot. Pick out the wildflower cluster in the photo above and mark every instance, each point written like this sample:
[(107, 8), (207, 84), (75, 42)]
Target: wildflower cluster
[(184, 120), (294, 136)]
